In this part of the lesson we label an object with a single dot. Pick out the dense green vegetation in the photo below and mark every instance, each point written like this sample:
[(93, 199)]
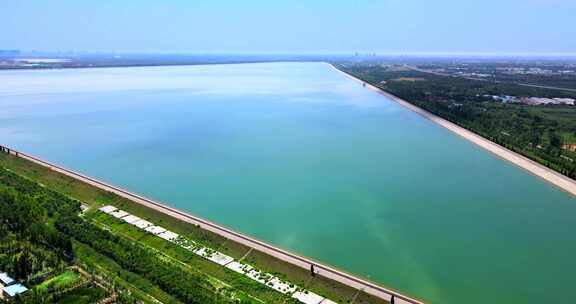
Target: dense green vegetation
[(36, 234), (145, 290), (220, 277), (122, 261), (82, 295), (64, 279), (186, 286), (538, 132), (561, 74), (138, 287), (29, 243), (32, 248)]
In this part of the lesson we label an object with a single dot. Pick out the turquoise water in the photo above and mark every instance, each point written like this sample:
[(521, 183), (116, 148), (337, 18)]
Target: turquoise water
[(301, 156)]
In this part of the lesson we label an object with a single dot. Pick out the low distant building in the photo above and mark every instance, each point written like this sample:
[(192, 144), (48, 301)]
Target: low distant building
[(534, 101), (5, 280), (567, 101), (505, 98), (12, 291), (569, 147), (546, 101), (9, 287)]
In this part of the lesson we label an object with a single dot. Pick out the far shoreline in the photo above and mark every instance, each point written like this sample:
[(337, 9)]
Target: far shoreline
[(146, 65), (547, 174)]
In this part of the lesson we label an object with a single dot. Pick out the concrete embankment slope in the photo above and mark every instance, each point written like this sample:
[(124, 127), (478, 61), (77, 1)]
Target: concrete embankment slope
[(303, 262), (563, 182)]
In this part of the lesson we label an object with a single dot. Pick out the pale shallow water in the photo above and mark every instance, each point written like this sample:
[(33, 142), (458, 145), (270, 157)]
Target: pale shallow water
[(301, 156)]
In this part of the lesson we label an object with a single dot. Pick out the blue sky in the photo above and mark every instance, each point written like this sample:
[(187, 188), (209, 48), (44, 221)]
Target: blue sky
[(296, 26)]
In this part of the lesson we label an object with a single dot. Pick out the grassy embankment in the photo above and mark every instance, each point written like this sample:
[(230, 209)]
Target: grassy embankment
[(64, 279), (147, 291)]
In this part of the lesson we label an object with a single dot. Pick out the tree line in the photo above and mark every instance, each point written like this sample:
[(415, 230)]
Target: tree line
[(37, 226)]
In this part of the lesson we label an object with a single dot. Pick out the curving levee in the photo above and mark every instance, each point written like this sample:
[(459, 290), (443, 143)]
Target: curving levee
[(297, 260), (558, 180)]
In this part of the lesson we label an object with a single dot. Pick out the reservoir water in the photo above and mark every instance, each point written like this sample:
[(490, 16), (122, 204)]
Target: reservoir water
[(301, 156)]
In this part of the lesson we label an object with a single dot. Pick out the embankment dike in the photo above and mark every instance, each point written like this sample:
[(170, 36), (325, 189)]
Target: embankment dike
[(297, 260), (563, 182)]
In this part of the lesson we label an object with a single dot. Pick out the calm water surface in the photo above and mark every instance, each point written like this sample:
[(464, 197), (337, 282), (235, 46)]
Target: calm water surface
[(301, 156)]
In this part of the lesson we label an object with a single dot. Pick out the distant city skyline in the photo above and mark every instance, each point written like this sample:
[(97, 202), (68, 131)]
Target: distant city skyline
[(412, 27)]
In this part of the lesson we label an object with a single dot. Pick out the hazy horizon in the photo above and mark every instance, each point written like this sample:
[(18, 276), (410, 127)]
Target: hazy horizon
[(385, 27), (479, 55)]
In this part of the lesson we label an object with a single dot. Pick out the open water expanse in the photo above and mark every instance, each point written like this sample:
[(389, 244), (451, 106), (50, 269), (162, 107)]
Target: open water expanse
[(305, 158)]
